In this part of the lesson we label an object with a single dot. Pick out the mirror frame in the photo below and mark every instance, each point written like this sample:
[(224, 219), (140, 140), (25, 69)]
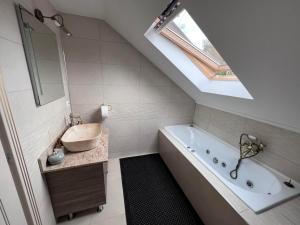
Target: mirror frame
[(34, 76)]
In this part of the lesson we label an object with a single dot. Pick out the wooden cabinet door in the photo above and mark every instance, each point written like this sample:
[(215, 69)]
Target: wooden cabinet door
[(76, 189)]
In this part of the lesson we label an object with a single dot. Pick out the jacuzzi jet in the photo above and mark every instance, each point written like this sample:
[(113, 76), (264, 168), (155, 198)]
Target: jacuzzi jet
[(188, 147), (250, 184), (223, 164), (193, 150), (215, 160), (207, 151)]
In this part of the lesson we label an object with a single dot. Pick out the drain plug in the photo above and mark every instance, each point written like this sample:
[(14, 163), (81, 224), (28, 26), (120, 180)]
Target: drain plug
[(289, 184), (250, 184)]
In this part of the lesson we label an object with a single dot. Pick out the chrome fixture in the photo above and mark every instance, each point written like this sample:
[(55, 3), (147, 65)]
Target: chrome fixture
[(289, 184), (57, 18), (249, 146), (167, 12), (250, 184), (75, 120), (215, 160)]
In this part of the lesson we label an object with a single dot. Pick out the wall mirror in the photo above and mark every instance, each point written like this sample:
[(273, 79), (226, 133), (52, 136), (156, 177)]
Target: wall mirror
[(41, 50)]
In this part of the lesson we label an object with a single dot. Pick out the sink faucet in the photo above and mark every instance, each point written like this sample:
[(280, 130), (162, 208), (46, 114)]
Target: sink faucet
[(75, 120), (249, 146)]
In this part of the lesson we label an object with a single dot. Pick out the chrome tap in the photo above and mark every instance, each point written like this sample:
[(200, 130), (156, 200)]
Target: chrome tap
[(75, 120), (250, 146)]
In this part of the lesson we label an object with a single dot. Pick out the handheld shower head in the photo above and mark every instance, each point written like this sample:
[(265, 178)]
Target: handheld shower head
[(251, 137), (67, 32)]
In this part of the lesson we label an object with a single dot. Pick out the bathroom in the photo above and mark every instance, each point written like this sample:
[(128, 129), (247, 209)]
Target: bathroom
[(127, 112)]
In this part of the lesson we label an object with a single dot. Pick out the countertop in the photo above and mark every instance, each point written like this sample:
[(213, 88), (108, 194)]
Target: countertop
[(287, 213), (71, 160)]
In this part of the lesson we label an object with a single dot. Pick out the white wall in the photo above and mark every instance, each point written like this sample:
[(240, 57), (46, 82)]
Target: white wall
[(107, 69), (259, 39), (37, 127)]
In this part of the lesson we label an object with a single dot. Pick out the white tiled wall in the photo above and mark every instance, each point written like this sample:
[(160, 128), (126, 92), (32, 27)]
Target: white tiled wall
[(282, 150), (36, 126), (104, 68)]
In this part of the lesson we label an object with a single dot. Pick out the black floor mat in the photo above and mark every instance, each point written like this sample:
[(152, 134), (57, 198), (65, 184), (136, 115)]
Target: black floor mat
[(151, 194)]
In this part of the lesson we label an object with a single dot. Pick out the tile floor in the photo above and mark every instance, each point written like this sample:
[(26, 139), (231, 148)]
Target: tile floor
[(114, 211)]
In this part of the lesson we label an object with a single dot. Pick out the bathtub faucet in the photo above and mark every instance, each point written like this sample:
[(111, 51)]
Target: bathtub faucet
[(249, 146)]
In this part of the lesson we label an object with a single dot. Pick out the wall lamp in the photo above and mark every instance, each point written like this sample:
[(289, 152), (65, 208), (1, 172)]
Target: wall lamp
[(57, 19)]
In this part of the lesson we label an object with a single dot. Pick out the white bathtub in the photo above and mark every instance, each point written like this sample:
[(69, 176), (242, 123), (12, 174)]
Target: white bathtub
[(267, 187)]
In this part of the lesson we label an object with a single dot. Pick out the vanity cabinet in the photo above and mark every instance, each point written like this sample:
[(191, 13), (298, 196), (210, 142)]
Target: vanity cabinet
[(79, 182), (76, 189)]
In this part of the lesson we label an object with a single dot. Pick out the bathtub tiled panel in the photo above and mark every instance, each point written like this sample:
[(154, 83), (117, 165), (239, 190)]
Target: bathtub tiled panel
[(113, 72), (282, 151)]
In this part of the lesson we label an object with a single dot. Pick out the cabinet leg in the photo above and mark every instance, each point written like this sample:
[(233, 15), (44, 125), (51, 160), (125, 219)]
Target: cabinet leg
[(70, 216), (100, 208)]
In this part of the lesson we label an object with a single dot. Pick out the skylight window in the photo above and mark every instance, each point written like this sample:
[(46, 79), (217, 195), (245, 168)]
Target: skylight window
[(185, 33), (184, 44)]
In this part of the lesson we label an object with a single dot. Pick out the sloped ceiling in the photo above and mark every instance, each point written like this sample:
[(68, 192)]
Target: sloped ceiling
[(259, 39), (89, 8)]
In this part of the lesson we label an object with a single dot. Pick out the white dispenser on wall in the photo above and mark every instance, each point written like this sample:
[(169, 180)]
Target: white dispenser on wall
[(104, 110)]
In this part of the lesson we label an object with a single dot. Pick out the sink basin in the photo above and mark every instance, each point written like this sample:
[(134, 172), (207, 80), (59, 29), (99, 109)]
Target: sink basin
[(82, 137)]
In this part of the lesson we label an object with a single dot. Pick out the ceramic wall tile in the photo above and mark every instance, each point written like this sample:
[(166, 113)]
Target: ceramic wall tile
[(8, 22), (120, 94), (120, 75), (119, 54), (84, 73), (154, 94), (13, 66), (151, 75), (82, 27), (81, 50), (108, 34), (142, 97), (85, 94)]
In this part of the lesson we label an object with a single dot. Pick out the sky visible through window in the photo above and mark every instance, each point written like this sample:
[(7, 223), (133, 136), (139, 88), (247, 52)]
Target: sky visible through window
[(184, 26)]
